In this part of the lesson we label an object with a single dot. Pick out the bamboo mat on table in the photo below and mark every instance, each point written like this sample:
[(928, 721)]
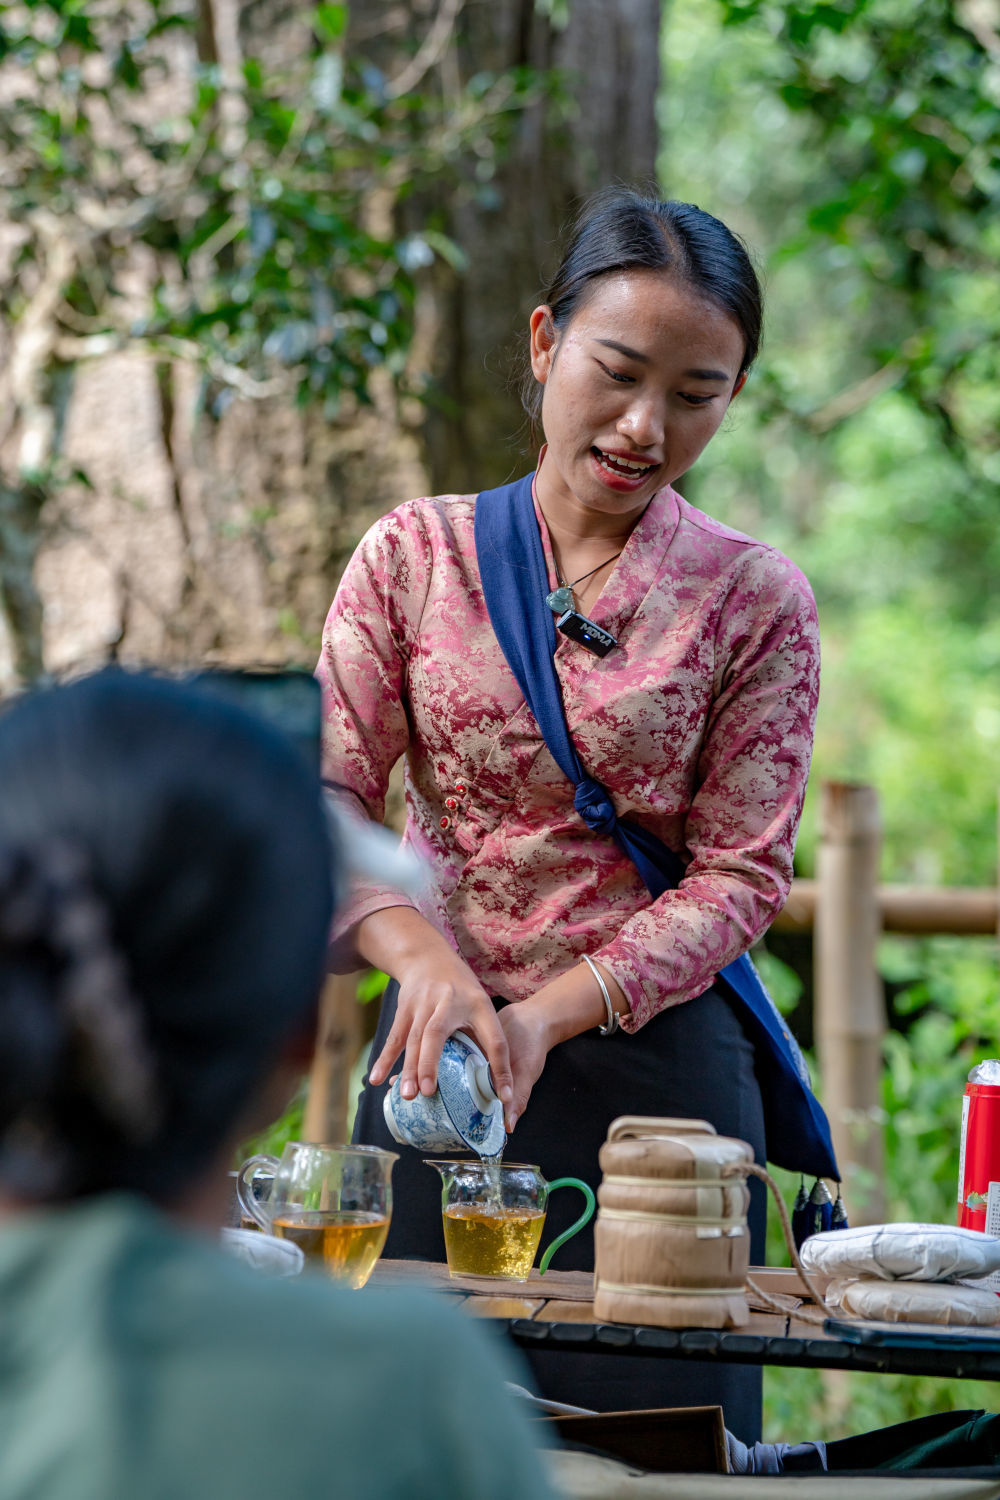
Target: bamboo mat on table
[(556, 1286), (563, 1286)]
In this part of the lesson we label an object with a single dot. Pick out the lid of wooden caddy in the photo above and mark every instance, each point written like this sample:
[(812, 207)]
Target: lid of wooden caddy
[(677, 1149)]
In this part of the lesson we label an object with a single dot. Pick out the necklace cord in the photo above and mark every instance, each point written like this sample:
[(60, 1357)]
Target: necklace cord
[(564, 585)]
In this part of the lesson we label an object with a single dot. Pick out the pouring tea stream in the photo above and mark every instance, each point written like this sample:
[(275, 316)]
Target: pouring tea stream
[(493, 1213)]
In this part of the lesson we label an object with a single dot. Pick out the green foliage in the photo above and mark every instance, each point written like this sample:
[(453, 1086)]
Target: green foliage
[(782, 982), (883, 322), (224, 214), (882, 116), (272, 1140), (948, 1000), (371, 985), (855, 145)]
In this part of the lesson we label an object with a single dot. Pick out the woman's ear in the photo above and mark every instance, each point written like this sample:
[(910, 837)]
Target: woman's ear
[(740, 383), (544, 338)]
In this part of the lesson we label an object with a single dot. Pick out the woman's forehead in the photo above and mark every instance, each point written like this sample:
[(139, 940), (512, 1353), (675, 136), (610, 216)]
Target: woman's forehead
[(647, 310)]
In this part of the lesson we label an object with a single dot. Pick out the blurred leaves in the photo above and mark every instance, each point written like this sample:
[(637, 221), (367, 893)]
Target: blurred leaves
[(867, 444), (897, 113), (226, 216), (856, 144)]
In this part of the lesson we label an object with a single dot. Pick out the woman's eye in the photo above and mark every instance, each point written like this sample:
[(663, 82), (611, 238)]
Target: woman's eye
[(614, 374), (696, 400)]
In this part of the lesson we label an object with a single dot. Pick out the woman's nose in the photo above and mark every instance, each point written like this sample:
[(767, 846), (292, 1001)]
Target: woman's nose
[(642, 422)]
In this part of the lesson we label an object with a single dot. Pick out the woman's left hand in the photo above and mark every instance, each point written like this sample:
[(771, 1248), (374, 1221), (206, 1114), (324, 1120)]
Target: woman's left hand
[(561, 1009), (528, 1041)]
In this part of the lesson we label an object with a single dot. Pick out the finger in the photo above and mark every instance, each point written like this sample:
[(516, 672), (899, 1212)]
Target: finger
[(493, 1040), (516, 1108), (436, 1033), (408, 1075), (394, 1044)]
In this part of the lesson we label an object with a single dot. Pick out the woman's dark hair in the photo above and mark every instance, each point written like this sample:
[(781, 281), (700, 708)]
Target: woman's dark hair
[(620, 229), (165, 899)]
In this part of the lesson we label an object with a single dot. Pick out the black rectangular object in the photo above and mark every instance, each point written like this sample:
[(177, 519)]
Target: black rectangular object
[(593, 637)]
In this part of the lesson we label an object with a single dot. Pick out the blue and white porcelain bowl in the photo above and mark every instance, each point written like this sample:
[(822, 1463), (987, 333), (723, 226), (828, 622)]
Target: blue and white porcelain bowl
[(463, 1112)]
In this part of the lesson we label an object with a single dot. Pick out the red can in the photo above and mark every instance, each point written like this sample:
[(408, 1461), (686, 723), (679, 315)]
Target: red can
[(979, 1158)]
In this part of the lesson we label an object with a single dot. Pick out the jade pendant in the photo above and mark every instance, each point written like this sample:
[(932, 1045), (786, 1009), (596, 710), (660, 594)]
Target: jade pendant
[(560, 600)]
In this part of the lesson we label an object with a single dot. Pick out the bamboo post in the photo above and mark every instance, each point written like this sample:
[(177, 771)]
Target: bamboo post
[(338, 1041), (850, 1005)]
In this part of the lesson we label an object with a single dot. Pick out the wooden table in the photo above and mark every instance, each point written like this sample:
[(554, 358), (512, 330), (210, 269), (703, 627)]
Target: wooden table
[(556, 1311)]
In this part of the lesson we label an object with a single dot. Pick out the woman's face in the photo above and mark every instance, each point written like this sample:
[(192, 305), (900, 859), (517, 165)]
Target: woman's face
[(635, 384)]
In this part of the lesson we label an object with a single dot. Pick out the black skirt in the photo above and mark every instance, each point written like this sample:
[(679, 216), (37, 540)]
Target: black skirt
[(694, 1061)]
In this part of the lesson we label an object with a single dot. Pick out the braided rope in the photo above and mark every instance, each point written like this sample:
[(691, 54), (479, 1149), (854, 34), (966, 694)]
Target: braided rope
[(803, 1314)]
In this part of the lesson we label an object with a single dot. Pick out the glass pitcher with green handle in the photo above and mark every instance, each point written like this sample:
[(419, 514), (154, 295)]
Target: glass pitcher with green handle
[(493, 1215)]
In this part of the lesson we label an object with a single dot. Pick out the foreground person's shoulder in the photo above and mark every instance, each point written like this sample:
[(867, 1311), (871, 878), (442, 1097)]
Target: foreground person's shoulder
[(438, 1379), (386, 1392)]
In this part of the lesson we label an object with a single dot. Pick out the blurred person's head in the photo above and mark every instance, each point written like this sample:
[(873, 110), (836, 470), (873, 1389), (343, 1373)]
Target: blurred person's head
[(165, 898)]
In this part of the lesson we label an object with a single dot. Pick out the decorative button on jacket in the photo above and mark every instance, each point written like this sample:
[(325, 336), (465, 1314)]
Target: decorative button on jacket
[(699, 723)]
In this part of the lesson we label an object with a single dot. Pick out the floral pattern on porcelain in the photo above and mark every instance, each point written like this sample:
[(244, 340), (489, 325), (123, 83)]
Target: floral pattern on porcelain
[(451, 1118)]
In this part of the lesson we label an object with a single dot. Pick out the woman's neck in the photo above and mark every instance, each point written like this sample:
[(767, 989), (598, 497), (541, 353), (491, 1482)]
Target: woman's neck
[(578, 534), (577, 529)]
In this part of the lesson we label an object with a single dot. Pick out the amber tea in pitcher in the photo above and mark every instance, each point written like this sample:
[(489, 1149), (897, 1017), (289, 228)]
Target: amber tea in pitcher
[(344, 1245), (484, 1241), (334, 1202), (493, 1214)]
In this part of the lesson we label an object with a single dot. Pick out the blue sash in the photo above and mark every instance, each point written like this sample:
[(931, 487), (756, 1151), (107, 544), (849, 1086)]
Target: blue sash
[(515, 583)]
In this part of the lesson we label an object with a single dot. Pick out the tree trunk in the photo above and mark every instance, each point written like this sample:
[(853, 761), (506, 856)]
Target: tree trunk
[(222, 538), (20, 605), (594, 125)]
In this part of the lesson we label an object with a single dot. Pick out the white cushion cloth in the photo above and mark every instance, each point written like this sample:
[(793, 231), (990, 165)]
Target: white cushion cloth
[(903, 1252), (916, 1302), (265, 1252)]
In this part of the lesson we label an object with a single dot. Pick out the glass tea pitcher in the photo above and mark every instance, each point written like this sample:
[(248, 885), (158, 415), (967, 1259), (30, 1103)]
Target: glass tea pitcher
[(334, 1202), (493, 1215)]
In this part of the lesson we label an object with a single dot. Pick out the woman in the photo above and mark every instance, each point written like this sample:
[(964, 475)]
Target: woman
[(534, 931), (165, 898)]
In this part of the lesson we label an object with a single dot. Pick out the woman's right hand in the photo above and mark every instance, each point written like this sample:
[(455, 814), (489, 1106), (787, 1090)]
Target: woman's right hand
[(438, 994)]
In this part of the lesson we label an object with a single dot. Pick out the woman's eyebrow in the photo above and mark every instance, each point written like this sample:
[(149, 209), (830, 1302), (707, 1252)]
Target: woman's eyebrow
[(643, 359)]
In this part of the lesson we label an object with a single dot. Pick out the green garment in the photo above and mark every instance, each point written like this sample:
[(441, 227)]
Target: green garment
[(948, 1440), (138, 1362)]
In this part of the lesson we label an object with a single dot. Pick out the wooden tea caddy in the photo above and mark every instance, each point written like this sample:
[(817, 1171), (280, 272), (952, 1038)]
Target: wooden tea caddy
[(672, 1247)]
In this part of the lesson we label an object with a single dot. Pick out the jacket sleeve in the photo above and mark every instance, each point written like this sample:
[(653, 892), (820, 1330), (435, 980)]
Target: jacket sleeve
[(362, 670), (750, 784)]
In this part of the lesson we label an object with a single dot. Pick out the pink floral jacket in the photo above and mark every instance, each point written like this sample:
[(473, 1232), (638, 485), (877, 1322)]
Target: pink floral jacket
[(699, 723)]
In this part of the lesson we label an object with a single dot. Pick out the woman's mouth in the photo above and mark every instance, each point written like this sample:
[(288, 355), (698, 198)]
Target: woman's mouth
[(619, 472)]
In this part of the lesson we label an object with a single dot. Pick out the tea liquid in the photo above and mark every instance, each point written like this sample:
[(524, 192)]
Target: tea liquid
[(345, 1245), (494, 1191), (492, 1241)]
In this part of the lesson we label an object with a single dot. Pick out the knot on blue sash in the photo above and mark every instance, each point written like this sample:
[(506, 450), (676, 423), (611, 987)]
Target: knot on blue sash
[(595, 806)]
